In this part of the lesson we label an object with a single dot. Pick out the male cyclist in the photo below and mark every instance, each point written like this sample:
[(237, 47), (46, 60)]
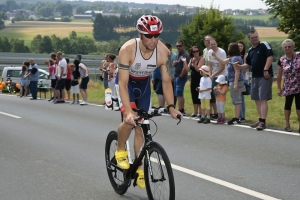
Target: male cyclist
[(138, 58)]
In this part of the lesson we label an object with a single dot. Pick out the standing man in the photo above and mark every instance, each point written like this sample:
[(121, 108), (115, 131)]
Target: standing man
[(181, 74), (207, 38), (61, 78), (138, 58), (216, 69), (33, 74), (260, 58), (172, 69)]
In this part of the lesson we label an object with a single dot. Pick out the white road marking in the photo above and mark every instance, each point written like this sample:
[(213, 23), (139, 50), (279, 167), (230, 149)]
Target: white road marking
[(220, 182), (10, 115)]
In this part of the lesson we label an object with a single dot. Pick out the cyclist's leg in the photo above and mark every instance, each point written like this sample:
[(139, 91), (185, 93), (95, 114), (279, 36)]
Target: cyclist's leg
[(144, 102), (124, 131)]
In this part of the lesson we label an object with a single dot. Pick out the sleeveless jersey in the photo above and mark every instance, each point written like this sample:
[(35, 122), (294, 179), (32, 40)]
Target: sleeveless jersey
[(142, 68)]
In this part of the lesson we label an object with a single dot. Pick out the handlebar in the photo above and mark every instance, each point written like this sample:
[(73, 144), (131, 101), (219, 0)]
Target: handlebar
[(153, 112)]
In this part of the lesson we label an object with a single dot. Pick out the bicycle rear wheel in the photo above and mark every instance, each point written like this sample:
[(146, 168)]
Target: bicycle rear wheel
[(159, 185), (115, 174)]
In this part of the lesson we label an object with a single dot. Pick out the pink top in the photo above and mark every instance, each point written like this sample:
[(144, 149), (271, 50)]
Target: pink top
[(52, 71)]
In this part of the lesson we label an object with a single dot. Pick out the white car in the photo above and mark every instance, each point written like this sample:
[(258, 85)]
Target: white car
[(14, 74)]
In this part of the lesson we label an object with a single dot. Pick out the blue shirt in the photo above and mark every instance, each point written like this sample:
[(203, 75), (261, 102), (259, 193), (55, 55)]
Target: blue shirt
[(231, 71)]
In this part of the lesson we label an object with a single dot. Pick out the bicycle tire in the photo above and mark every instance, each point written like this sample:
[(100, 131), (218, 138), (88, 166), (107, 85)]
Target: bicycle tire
[(162, 186), (116, 177)]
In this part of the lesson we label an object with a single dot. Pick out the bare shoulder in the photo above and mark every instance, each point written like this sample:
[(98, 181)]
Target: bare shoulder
[(162, 53), (128, 47), (127, 52)]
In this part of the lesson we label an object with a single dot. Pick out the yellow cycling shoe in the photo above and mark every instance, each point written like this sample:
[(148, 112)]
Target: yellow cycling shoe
[(140, 179), (122, 160)]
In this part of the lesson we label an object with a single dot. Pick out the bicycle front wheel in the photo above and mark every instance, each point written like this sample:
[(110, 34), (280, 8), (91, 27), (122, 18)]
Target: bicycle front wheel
[(115, 174), (159, 177)]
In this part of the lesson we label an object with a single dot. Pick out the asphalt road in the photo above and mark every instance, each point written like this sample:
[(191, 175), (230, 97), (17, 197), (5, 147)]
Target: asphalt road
[(56, 152)]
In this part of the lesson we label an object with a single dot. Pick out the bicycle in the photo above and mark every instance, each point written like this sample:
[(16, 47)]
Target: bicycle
[(158, 172)]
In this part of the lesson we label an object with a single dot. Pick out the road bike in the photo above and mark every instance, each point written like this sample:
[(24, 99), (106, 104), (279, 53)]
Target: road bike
[(158, 172)]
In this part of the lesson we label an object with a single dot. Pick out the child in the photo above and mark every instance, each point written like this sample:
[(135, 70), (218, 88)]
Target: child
[(220, 92), (24, 81), (205, 94), (52, 76), (75, 83)]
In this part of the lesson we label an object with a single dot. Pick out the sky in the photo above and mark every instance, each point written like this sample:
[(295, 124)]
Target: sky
[(222, 4)]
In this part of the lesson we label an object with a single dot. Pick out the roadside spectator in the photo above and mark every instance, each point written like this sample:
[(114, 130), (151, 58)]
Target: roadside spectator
[(27, 64), (205, 94), (33, 74), (172, 69), (52, 76), (194, 65), (242, 48), (216, 69), (235, 79), (103, 68), (260, 57), (207, 39), (84, 75), (68, 79), (61, 73), (74, 83), (220, 91), (289, 67), (112, 73), (181, 74), (24, 82), (157, 86)]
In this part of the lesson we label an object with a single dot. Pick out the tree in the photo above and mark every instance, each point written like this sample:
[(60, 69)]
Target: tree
[(11, 5), (46, 45), (5, 45), (56, 43), (17, 46), (210, 22), (65, 9), (35, 44), (80, 9), (45, 11), (288, 12)]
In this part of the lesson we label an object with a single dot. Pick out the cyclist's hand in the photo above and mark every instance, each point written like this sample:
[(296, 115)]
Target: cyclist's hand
[(174, 113), (129, 118)]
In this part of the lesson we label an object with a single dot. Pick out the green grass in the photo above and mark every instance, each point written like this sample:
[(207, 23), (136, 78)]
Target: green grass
[(276, 105), (269, 39)]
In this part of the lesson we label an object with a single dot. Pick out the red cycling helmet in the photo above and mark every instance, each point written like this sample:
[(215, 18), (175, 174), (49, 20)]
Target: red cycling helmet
[(149, 24)]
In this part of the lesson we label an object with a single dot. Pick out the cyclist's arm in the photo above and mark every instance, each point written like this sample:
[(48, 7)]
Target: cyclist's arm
[(164, 62), (124, 63)]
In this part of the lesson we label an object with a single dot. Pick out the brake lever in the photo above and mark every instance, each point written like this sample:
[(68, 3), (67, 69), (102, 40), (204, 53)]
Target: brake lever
[(178, 117)]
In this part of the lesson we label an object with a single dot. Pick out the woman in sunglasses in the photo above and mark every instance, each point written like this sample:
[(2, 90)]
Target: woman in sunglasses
[(138, 58), (194, 65), (289, 67)]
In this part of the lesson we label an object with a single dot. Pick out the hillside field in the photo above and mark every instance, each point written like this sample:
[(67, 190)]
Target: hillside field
[(27, 30)]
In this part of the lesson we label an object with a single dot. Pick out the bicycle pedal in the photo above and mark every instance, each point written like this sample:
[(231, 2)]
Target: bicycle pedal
[(135, 179)]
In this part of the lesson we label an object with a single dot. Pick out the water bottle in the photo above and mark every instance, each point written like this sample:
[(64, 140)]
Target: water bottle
[(108, 100)]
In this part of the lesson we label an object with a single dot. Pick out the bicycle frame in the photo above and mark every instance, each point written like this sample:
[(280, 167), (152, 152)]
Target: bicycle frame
[(134, 164)]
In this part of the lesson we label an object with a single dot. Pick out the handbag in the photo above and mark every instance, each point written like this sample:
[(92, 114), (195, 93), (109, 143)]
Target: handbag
[(247, 90)]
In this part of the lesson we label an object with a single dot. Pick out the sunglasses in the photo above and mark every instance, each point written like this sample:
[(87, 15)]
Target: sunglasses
[(179, 45), (195, 51), (287, 47), (254, 37), (149, 36)]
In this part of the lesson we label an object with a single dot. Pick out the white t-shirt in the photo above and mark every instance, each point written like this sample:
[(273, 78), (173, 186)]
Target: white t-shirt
[(81, 70), (205, 82), (215, 63), (62, 66)]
